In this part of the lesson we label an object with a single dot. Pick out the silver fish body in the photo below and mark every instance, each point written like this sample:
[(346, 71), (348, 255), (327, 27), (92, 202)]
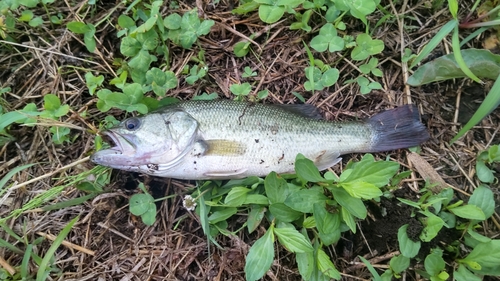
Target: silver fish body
[(228, 139)]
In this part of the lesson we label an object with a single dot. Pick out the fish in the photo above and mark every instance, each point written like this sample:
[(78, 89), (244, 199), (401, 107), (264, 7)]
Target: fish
[(225, 139)]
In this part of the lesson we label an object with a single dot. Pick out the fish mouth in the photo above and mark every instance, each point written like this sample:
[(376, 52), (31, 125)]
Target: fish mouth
[(121, 147)]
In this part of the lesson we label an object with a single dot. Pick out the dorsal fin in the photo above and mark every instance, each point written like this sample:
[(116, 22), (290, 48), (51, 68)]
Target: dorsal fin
[(304, 110)]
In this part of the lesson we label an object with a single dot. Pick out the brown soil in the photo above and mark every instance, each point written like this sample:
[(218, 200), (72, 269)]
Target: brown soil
[(175, 247)]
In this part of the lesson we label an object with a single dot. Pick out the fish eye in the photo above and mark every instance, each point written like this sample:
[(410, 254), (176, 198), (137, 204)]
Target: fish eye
[(132, 124)]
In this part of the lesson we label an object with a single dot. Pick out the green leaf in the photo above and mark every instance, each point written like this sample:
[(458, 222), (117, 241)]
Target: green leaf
[(284, 213), (483, 172), (407, 247), (172, 21), (78, 27), (256, 199), (327, 39), (328, 224), (366, 46), (399, 263), (482, 63), (241, 49), (482, 197), (376, 276), (326, 266), (88, 38), (462, 274), (255, 216), (271, 14), (222, 215), (236, 196), (434, 263), (329, 77), (140, 203), (469, 212), (125, 21), (433, 225), (241, 89), (149, 217), (304, 199), (378, 173), (305, 263), (276, 188), (365, 190), (306, 169), (260, 257), (292, 240), (353, 205), (51, 102)]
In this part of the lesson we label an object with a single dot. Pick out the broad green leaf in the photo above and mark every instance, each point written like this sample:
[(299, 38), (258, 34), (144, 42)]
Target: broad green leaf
[(433, 225), (305, 263), (260, 257), (326, 266), (348, 218), (434, 262), (482, 63), (284, 213), (140, 203), (306, 169), (292, 240), (130, 46), (486, 254), (463, 274), (204, 27), (399, 263), (304, 199), (327, 39), (78, 27), (328, 224), (125, 21), (222, 215), (172, 21), (365, 190), (330, 77), (366, 46), (407, 247), (271, 14), (378, 173), (149, 40), (354, 205), (471, 212), (236, 196), (256, 199), (255, 216), (478, 237), (88, 38), (482, 197), (149, 217), (276, 188)]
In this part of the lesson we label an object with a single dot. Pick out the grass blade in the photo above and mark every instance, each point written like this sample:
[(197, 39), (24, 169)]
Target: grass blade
[(491, 102), (455, 43), (442, 33), (44, 269)]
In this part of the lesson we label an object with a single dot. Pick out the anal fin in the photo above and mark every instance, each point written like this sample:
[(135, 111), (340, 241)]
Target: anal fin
[(326, 159)]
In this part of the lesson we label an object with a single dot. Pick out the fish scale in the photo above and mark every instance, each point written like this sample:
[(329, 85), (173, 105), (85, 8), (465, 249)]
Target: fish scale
[(225, 139)]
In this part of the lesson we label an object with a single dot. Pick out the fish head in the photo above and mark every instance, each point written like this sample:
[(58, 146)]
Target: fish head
[(156, 141)]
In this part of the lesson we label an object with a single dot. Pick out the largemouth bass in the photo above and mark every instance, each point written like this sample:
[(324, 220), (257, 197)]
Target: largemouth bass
[(225, 139)]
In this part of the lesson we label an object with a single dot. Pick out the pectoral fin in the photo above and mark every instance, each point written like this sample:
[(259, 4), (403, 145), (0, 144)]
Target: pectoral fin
[(326, 159), (232, 174)]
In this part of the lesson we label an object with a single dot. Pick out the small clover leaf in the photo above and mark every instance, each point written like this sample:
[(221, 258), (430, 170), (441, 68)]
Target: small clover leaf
[(366, 46), (327, 39)]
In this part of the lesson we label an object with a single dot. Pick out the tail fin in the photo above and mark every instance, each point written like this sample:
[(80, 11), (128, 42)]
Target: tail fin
[(397, 128)]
